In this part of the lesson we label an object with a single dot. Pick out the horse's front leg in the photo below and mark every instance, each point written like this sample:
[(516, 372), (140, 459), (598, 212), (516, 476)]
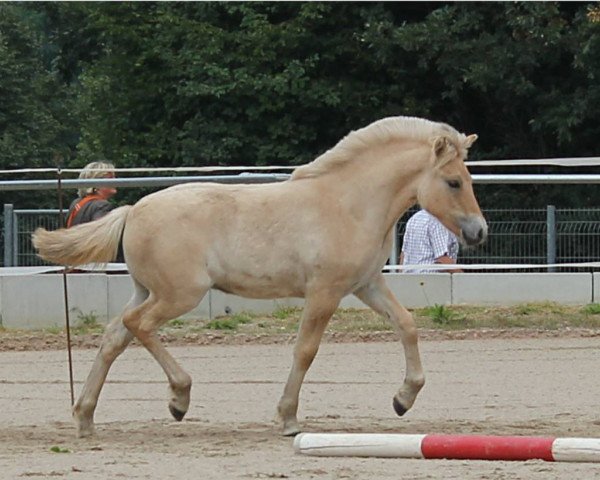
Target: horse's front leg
[(379, 297), (318, 309)]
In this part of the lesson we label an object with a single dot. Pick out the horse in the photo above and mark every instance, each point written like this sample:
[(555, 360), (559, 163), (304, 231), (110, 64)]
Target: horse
[(323, 233)]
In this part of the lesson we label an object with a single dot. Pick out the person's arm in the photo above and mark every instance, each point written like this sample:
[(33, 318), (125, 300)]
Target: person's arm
[(439, 238), (445, 259)]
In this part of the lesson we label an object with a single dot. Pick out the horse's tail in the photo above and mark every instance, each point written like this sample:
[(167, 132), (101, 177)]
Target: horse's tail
[(93, 242)]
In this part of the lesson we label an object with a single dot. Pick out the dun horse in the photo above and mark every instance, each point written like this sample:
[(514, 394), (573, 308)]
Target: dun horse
[(323, 234)]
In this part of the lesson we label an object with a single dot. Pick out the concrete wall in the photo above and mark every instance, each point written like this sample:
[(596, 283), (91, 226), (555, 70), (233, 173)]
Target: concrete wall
[(37, 301), (511, 288)]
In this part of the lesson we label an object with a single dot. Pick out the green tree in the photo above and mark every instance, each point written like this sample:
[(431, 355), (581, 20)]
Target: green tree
[(35, 123), (216, 83), (209, 83), (33, 113), (523, 75)]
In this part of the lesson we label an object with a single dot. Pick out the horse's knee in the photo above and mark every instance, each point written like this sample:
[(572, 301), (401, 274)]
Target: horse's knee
[(410, 335), (407, 327)]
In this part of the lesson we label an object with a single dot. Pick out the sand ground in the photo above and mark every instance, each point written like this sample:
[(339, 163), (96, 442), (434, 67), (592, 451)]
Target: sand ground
[(539, 386)]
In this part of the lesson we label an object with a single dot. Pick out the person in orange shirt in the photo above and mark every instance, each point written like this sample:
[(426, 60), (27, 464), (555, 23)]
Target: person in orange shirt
[(92, 202)]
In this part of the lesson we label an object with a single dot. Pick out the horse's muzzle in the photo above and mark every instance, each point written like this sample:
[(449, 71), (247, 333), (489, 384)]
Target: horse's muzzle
[(473, 229)]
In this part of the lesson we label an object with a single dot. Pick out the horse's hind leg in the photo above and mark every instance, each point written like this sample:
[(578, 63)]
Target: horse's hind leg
[(379, 297), (317, 312), (145, 320), (115, 340)]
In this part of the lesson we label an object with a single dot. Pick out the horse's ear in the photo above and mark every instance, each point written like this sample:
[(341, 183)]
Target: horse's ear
[(470, 140), (439, 145), (443, 150)]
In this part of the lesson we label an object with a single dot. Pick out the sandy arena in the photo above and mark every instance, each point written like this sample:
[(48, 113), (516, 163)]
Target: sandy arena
[(538, 386)]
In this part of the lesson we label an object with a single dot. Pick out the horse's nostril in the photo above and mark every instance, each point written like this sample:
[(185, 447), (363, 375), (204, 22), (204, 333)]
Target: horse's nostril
[(475, 236)]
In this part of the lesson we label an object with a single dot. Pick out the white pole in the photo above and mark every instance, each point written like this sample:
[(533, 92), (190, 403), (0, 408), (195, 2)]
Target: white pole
[(359, 445), (576, 450)]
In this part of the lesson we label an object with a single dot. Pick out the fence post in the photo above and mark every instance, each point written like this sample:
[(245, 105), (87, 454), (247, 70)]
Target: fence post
[(8, 234), (551, 235), (15, 245)]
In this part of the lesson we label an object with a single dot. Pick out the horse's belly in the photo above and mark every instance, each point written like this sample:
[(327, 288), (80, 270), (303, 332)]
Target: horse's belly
[(259, 285)]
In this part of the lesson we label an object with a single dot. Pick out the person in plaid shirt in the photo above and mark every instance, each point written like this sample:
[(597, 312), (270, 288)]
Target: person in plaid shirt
[(427, 241)]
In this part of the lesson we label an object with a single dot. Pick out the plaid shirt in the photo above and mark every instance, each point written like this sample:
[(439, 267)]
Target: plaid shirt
[(426, 239)]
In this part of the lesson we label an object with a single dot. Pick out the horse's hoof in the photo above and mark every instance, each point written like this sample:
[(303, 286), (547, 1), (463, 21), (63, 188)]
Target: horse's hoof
[(84, 425), (85, 433), (291, 430), (177, 414), (399, 408)]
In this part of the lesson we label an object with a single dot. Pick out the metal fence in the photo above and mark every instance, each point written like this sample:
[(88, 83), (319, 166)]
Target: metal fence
[(17, 227), (514, 236), (532, 236)]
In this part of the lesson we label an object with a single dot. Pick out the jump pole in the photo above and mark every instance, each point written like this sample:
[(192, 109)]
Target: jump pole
[(454, 447)]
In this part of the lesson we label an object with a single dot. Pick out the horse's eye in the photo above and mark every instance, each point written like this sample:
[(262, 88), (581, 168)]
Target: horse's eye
[(455, 184)]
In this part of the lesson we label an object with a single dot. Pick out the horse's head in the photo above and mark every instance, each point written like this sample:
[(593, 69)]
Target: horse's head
[(446, 189)]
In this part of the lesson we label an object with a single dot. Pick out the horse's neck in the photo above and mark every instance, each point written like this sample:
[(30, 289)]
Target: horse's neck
[(382, 186)]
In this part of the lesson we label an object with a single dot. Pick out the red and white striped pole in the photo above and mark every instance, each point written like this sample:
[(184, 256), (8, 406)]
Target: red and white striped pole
[(465, 447)]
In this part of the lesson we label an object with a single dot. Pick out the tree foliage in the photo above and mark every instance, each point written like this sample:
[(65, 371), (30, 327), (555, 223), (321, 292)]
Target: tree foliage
[(35, 126), (277, 83)]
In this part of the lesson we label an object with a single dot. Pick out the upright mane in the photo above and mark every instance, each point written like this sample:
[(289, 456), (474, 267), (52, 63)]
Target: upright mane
[(380, 131)]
